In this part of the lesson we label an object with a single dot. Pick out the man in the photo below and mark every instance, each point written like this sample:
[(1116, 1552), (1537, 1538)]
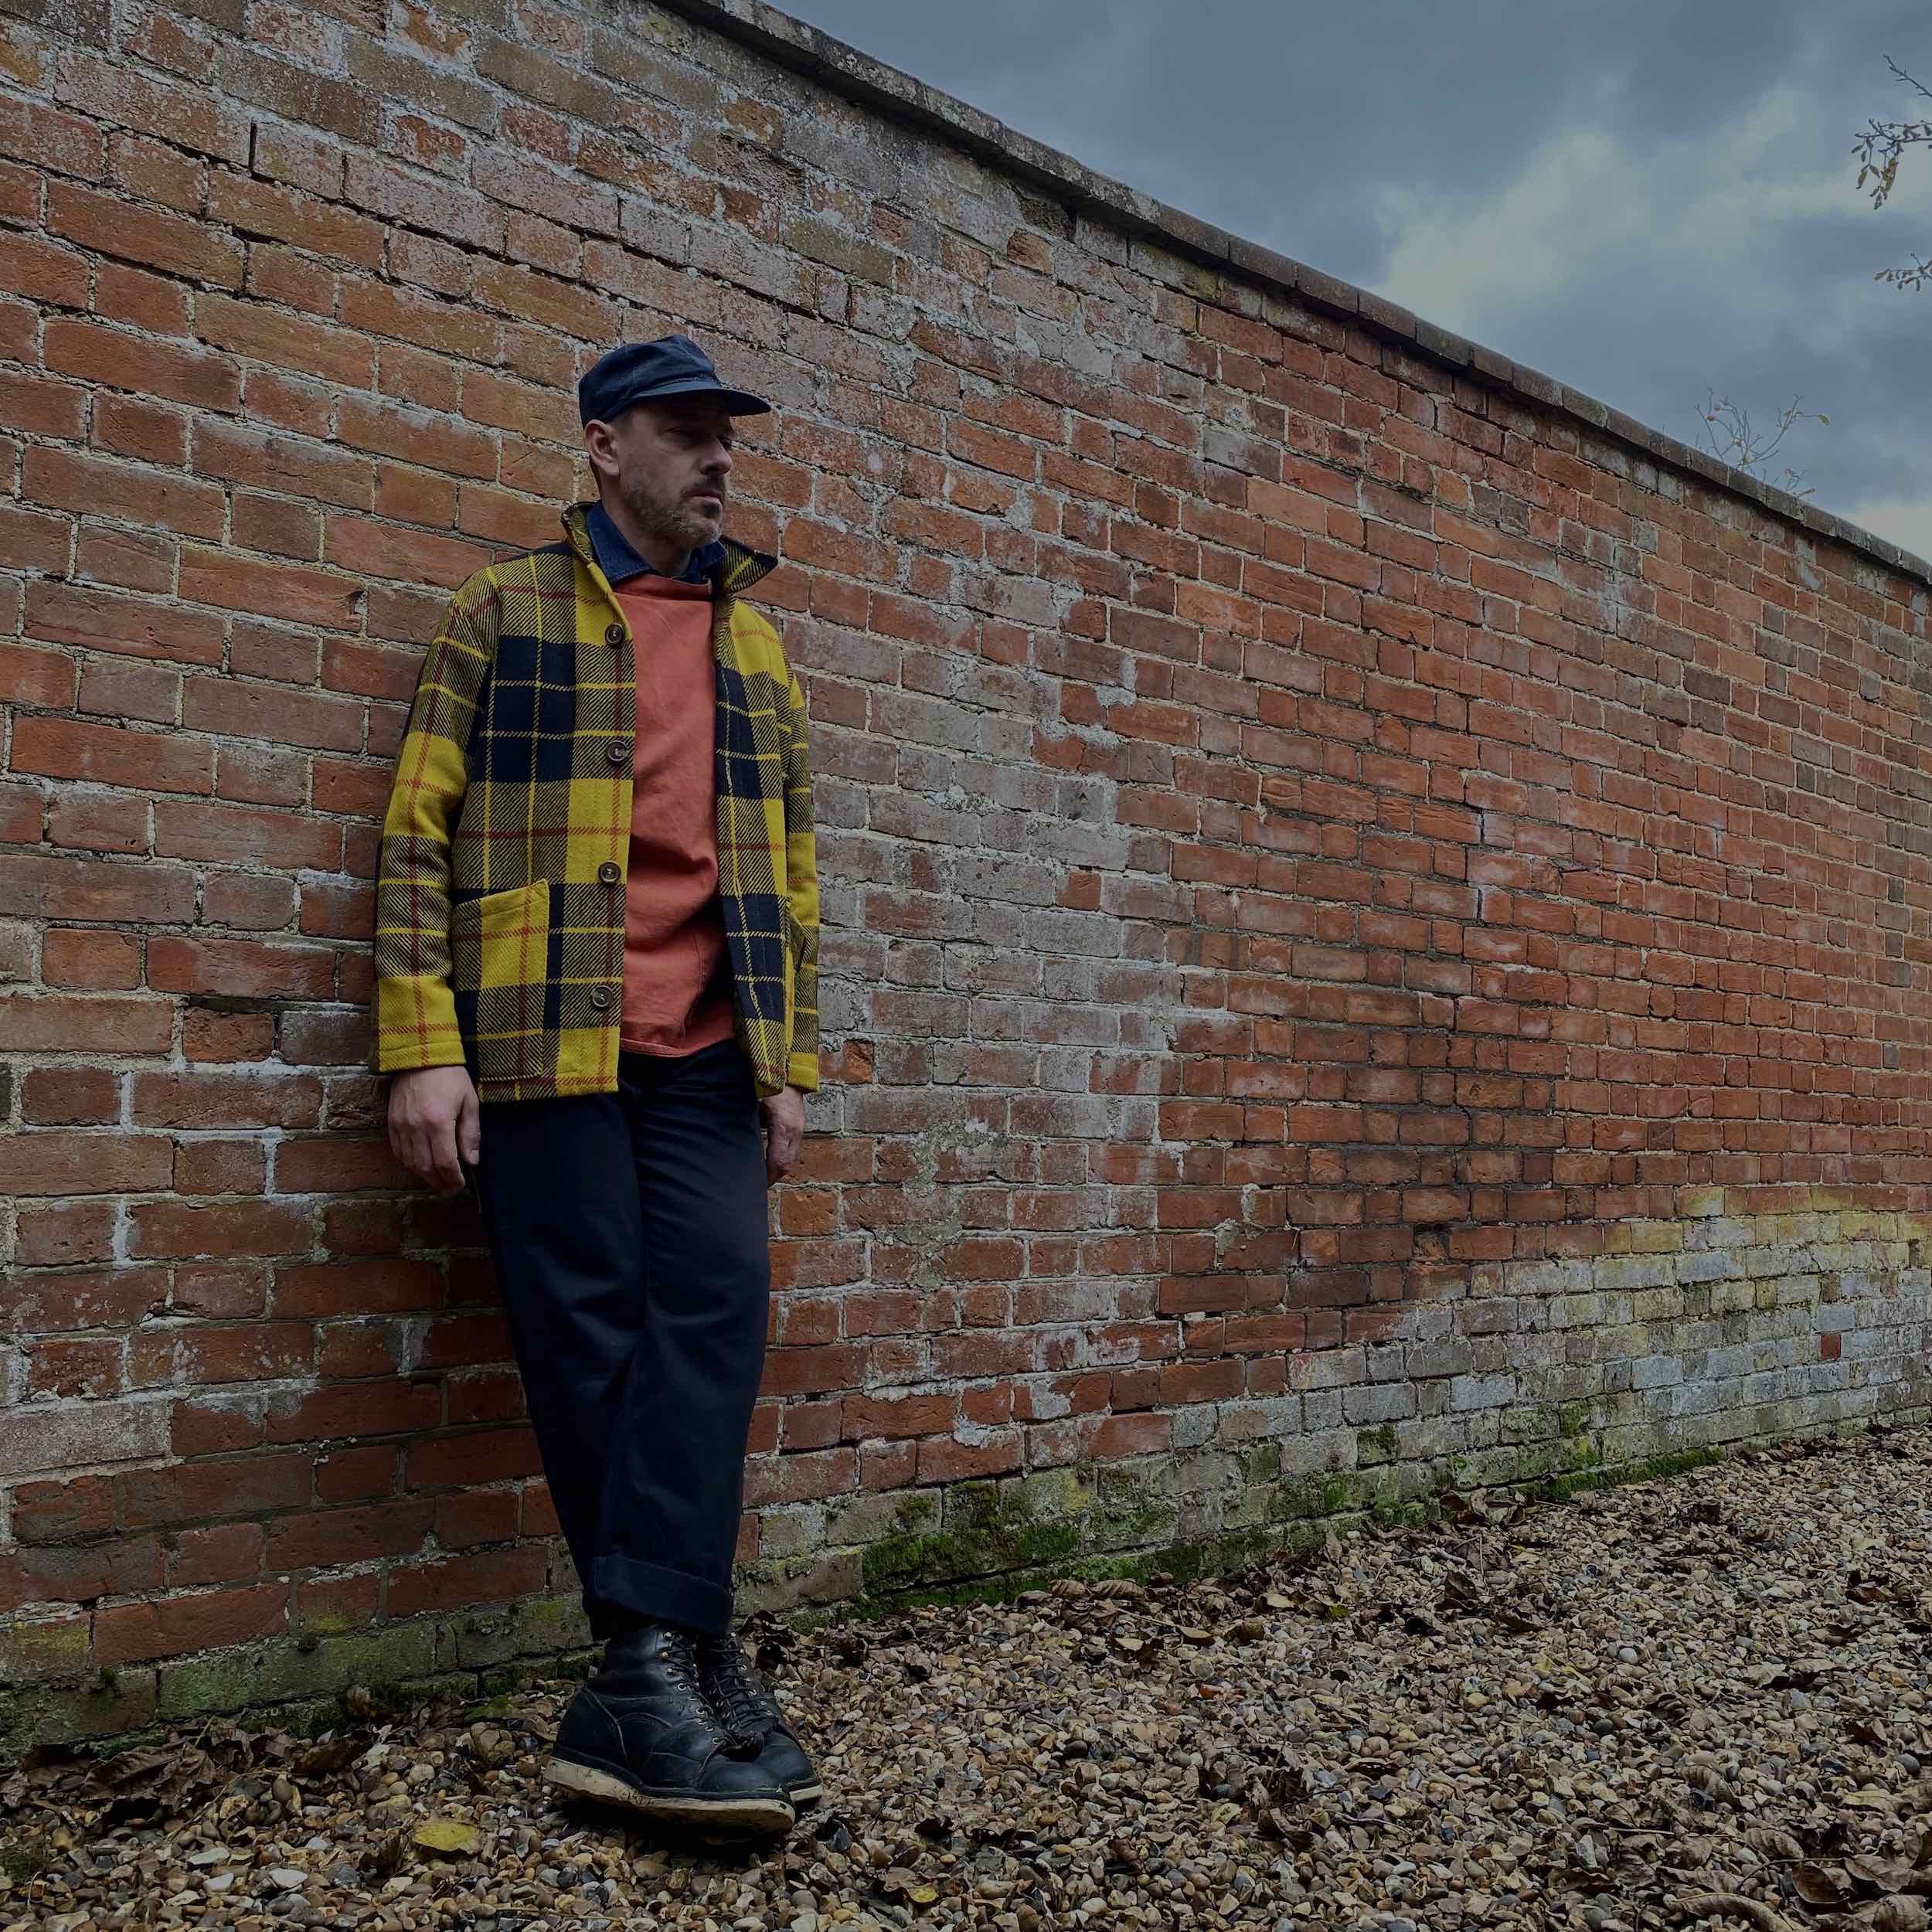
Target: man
[(597, 915)]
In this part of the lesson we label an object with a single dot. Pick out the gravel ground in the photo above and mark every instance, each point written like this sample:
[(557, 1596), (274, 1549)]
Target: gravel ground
[(1696, 1701)]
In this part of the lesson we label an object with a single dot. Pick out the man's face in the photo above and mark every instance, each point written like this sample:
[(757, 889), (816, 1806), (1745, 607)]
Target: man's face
[(668, 463)]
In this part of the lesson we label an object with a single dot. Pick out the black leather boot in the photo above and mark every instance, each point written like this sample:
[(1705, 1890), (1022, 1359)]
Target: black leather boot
[(741, 1697), (642, 1734)]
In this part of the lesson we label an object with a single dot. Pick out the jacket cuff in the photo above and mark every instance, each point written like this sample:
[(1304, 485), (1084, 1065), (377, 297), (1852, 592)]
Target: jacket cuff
[(801, 1071), (415, 1026)]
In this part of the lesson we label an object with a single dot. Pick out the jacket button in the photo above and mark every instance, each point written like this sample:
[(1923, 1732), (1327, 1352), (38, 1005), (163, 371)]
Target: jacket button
[(610, 872), (616, 755), (599, 997), (614, 635)]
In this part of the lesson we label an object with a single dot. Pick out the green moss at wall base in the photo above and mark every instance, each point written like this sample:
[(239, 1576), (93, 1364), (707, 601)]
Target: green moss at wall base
[(979, 1542)]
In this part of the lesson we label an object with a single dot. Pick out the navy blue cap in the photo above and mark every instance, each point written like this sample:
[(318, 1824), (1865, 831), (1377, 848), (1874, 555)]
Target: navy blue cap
[(653, 372)]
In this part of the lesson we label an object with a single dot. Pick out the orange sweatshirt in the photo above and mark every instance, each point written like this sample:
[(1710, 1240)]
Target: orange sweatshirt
[(677, 975)]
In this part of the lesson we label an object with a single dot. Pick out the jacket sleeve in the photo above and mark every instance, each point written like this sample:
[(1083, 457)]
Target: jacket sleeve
[(415, 1004), (801, 894)]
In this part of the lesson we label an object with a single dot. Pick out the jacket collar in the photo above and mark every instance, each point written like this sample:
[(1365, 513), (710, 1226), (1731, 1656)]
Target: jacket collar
[(740, 568)]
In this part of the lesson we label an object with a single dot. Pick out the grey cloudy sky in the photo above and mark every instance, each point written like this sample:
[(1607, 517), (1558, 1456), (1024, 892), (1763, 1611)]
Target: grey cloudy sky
[(1644, 198)]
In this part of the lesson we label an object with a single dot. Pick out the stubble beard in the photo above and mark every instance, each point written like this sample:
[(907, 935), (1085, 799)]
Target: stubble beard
[(673, 519)]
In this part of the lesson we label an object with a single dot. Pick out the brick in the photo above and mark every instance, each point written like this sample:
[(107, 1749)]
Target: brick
[(288, 591), (121, 688), (63, 1234), (36, 677), (192, 117), (359, 1287), (70, 1096), (218, 1288), (496, 1577), (257, 207), (243, 901), (141, 626), (38, 406), (229, 707), (49, 1304), (66, 748), (80, 1573), (220, 1167), (184, 1229), (417, 436), (283, 529), (293, 465), (95, 353), (222, 1553), (151, 433), (473, 1456), (207, 1036), (222, 1486), (359, 1409), (344, 1475), (62, 887), (88, 822), (942, 1459), (69, 1436), (82, 1163), (45, 1513), (285, 841), (259, 334), (903, 1416), (174, 1626), (298, 93), (482, 1516), (174, 243), (322, 1539), (35, 539), (237, 966), (83, 1366)]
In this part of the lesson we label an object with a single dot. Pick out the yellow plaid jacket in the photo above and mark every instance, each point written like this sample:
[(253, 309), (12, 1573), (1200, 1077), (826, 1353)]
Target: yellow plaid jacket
[(500, 882)]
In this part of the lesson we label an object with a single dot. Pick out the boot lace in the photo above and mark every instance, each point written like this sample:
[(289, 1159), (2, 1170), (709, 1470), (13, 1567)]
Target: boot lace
[(728, 1718), (734, 1688)]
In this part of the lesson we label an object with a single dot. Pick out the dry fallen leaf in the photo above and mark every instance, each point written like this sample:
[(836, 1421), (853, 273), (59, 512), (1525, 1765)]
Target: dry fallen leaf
[(450, 1836), (1898, 1913), (1815, 1886), (1737, 1905)]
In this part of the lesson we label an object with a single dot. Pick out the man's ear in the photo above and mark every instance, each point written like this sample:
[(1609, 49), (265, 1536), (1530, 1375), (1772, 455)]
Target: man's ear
[(600, 445)]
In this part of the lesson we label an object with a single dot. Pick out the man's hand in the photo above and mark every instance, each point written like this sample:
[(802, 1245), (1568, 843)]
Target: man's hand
[(785, 1114), (433, 1118)]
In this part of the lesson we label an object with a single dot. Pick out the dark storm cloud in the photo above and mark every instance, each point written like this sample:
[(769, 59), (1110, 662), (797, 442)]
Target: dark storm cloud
[(1643, 197)]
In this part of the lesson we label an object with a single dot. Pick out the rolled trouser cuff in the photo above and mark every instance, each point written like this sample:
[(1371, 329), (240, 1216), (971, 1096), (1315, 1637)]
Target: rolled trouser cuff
[(667, 1596)]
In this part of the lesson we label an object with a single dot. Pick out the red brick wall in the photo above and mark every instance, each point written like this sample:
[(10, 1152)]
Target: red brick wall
[(1374, 929)]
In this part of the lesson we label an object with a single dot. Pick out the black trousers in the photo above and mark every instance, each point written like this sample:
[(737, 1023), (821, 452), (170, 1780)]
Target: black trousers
[(629, 1235)]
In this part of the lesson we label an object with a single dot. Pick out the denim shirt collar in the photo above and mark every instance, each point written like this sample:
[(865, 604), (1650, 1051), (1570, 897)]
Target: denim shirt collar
[(618, 560)]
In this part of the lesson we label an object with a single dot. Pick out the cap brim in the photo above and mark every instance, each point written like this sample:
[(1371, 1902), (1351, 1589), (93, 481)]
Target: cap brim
[(737, 402)]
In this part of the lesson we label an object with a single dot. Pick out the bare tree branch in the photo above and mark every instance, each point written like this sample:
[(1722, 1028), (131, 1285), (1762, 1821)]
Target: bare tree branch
[(1729, 435), (1879, 149)]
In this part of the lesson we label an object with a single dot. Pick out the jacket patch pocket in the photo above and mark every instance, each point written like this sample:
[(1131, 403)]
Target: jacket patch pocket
[(499, 948)]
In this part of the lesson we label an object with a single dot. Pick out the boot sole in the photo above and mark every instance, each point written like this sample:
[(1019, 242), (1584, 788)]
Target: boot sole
[(805, 1793), (605, 1782)]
